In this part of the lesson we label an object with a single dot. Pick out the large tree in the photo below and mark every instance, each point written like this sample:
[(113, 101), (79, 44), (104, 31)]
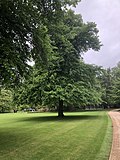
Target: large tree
[(72, 37), (62, 81)]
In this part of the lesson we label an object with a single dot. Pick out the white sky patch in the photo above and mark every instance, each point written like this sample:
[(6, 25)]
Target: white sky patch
[(31, 63)]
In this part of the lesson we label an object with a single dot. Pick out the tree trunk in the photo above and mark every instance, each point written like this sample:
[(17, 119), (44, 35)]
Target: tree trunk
[(60, 108)]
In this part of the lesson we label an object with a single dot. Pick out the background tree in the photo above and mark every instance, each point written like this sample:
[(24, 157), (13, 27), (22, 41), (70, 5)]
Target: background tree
[(107, 82), (116, 85), (110, 79), (5, 100)]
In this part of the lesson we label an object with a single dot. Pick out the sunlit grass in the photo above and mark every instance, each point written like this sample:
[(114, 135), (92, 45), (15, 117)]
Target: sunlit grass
[(42, 136)]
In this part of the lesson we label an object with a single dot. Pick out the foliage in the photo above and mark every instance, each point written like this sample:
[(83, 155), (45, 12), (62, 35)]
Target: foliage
[(65, 79), (110, 82), (5, 100), (23, 34), (55, 38), (106, 82), (116, 92), (44, 88), (116, 84)]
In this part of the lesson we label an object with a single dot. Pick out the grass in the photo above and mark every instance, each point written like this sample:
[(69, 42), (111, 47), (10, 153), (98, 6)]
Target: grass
[(42, 136)]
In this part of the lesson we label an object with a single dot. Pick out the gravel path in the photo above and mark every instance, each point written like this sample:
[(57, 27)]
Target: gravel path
[(115, 150)]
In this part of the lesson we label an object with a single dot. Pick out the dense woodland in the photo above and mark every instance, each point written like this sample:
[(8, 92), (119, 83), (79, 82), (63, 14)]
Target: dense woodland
[(52, 36)]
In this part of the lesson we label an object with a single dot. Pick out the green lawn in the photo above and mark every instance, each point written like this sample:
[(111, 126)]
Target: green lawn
[(42, 136)]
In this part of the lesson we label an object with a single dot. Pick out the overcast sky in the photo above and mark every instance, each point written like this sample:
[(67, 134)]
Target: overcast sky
[(106, 14)]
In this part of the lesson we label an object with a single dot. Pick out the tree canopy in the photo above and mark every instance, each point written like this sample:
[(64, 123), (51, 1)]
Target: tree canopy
[(20, 24)]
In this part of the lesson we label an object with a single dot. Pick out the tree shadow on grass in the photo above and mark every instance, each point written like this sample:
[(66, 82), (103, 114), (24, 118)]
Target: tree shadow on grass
[(68, 118), (10, 140)]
